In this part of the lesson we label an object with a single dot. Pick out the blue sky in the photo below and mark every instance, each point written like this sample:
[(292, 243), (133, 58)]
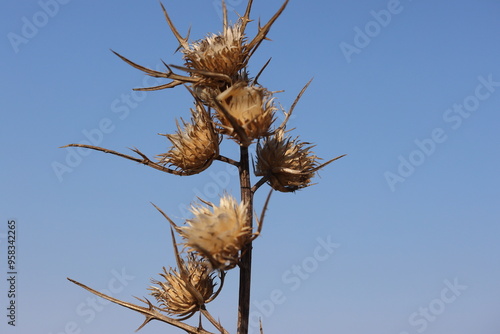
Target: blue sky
[(399, 237)]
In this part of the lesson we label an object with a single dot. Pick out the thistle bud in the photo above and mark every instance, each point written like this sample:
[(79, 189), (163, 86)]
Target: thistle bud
[(245, 112), (218, 233), (174, 294), (194, 146)]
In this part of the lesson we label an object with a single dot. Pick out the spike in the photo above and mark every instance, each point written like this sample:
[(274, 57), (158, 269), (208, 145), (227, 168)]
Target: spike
[(183, 42)]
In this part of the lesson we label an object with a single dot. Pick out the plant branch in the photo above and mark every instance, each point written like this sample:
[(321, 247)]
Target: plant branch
[(145, 160), (214, 322), (149, 312), (246, 257), (260, 222), (228, 160), (255, 81), (259, 183)]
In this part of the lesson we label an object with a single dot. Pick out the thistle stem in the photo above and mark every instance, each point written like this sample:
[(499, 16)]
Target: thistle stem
[(246, 258)]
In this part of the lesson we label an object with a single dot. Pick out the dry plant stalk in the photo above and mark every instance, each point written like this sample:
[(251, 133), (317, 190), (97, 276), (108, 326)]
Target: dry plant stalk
[(228, 103)]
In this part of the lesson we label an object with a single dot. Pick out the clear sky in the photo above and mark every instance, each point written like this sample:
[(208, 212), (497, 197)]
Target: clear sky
[(399, 237)]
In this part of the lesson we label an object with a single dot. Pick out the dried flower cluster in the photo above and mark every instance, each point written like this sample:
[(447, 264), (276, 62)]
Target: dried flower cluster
[(183, 296), (195, 146), (218, 233), (217, 60), (228, 104), (288, 163), (249, 108)]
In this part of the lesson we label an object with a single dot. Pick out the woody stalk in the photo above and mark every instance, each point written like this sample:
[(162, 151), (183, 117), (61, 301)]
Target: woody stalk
[(228, 104)]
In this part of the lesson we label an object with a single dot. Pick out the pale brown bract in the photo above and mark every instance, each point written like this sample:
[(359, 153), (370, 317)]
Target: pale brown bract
[(245, 112)]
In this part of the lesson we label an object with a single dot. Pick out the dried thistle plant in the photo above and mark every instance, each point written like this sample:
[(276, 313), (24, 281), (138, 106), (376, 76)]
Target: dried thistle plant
[(228, 104)]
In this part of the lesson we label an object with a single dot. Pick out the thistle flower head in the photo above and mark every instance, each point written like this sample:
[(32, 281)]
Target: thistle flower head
[(223, 53), (175, 293), (245, 112), (288, 163), (218, 233), (215, 62), (194, 146)]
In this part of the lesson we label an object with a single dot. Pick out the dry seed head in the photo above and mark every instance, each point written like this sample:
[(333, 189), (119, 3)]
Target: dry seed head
[(216, 61), (251, 109), (218, 233), (224, 53), (194, 146), (289, 163), (173, 293), (229, 52)]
